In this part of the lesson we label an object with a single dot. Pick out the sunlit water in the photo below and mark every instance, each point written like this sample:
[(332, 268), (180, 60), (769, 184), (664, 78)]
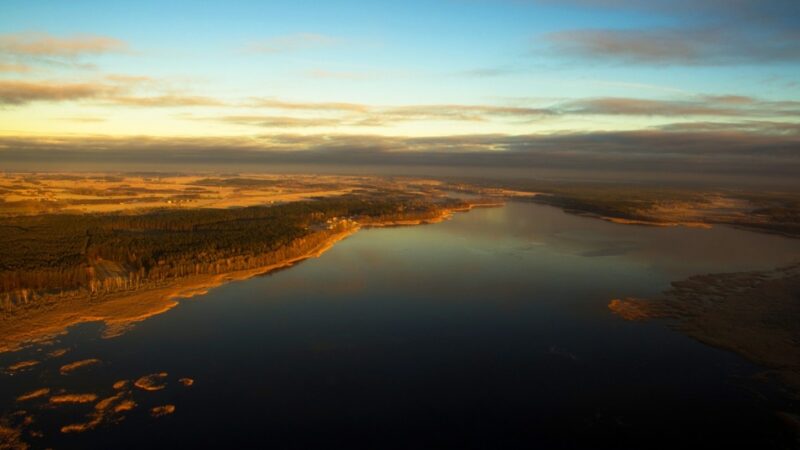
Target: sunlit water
[(488, 331)]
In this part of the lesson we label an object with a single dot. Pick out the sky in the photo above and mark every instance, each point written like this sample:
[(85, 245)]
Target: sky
[(703, 84)]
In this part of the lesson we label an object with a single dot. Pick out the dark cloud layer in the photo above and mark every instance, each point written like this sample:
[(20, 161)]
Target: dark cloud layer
[(672, 152), (727, 106)]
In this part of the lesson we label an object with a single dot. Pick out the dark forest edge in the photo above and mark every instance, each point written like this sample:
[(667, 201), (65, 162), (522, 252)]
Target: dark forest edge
[(63, 255)]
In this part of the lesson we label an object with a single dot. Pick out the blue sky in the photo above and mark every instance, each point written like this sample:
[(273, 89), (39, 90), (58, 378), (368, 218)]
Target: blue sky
[(249, 69), (419, 45)]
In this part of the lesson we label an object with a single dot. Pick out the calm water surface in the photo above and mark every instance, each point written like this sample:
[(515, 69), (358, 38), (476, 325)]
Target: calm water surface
[(488, 331)]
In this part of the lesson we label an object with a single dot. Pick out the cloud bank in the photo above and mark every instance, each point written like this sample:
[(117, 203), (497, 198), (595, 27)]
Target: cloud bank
[(670, 151)]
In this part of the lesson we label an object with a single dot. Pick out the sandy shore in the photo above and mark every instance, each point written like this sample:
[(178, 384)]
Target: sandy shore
[(122, 310), (648, 223)]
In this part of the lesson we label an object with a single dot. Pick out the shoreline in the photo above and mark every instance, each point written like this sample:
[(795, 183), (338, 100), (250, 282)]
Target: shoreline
[(748, 313), (637, 222), (121, 311), (706, 222)]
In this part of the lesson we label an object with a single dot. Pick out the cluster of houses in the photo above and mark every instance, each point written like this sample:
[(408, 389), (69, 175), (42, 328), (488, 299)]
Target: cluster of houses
[(335, 222)]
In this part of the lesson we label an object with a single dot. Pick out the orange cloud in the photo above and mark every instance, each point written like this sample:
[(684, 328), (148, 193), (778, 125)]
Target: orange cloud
[(328, 106), (18, 68), (14, 92), (279, 121), (129, 79), (112, 89), (44, 45), (169, 100)]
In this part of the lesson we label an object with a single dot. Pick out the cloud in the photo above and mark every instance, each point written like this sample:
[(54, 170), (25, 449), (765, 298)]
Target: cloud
[(707, 33), (20, 92), (11, 67), (167, 100), (748, 126), (678, 46), (352, 114), (109, 90), (774, 12), (306, 106), (729, 106), (277, 121), (370, 115), (476, 113), (46, 45), (146, 92), (673, 152), (293, 43)]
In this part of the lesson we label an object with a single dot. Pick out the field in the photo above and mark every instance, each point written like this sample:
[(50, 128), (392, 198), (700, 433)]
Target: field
[(28, 193)]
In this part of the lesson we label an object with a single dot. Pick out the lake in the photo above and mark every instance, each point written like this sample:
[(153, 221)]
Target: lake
[(490, 330)]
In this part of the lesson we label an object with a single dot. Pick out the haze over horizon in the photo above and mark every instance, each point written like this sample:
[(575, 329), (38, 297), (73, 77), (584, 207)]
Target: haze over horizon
[(631, 86)]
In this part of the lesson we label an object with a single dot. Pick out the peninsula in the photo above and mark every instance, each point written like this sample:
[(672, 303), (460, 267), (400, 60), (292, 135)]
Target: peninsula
[(120, 265)]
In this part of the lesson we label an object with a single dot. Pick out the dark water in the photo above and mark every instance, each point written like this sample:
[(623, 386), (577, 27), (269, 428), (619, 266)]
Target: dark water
[(487, 331)]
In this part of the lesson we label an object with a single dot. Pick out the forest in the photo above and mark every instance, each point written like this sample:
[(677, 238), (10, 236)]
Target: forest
[(54, 254)]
